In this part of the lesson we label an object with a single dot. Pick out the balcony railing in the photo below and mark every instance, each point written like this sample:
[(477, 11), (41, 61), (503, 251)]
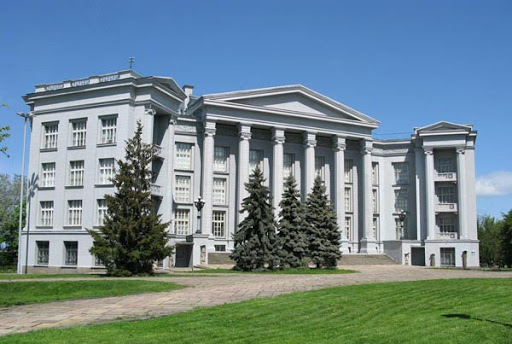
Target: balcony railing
[(446, 207), (158, 152), (445, 177), (156, 190)]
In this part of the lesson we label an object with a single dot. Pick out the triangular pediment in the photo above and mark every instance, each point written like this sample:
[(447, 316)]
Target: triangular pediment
[(443, 127), (293, 99)]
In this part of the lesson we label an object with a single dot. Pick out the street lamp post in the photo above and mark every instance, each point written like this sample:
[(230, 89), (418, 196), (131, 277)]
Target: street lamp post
[(25, 116), (199, 203), (402, 217)]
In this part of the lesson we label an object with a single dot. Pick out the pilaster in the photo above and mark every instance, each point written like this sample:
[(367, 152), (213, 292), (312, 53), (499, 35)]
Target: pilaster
[(339, 146), (461, 191), (277, 170), (430, 192), (309, 162), (207, 177), (244, 134)]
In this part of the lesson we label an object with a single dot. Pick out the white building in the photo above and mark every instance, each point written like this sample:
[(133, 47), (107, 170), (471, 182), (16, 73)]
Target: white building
[(209, 145)]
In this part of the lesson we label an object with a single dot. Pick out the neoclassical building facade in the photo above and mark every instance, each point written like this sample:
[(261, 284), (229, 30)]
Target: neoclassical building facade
[(412, 200)]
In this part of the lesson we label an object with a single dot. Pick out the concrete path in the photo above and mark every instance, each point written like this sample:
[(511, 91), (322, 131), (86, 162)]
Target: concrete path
[(206, 291)]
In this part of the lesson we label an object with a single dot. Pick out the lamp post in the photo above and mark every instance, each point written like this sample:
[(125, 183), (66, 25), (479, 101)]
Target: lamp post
[(25, 116), (199, 203), (402, 217)]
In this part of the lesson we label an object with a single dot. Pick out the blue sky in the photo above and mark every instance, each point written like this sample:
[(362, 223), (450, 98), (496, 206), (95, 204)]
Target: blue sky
[(405, 63)]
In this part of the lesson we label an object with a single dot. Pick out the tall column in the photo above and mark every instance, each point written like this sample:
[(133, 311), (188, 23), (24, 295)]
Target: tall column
[(167, 217), (461, 191), (309, 162), (148, 124), (430, 192), (244, 131), (277, 170), (339, 146), (368, 241), (208, 150)]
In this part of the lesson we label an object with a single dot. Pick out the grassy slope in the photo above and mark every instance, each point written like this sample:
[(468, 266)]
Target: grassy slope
[(412, 312), (16, 293)]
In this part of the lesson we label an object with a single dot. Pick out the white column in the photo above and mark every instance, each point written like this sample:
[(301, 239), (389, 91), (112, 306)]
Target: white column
[(244, 131), (208, 150), (461, 191), (368, 241), (148, 124), (309, 162), (168, 215), (339, 146), (418, 156), (277, 169), (430, 192)]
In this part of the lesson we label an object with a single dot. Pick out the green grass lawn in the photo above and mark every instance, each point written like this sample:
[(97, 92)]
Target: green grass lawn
[(443, 311), (13, 276), (302, 271), (17, 293)]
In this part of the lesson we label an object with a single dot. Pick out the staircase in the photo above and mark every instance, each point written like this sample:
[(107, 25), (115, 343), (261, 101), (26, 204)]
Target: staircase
[(219, 258), (366, 259)]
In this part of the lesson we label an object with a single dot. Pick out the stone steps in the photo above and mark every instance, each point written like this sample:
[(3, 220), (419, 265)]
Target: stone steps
[(366, 259)]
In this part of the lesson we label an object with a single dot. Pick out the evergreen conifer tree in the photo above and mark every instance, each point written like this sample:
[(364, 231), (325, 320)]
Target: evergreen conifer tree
[(256, 239), (292, 235), (132, 237), (323, 235)]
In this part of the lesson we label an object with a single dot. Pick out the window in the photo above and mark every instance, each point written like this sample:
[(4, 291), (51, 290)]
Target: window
[(446, 224), (106, 171), (320, 167), (401, 233), (375, 204), (78, 130), (75, 213), (445, 165), (47, 213), (220, 159), (182, 189), (98, 261), (76, 175), (102, 210), (446, 194), (108, 129), (48, 175), (220, 248), (219, 224), (43, 252), (288, 160), (50, 132), (255, 159), (348, 227), (375, 173), (219, 191), (400, 200), (447, 256), (182, 222), (71, 257), (348, 199), (349, 164), (401, 173), (183, 156), (375, 225)]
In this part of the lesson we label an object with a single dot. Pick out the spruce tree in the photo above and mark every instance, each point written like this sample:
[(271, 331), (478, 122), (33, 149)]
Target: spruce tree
[(323, 235), (292, 235), (132, 237), (256, 238)]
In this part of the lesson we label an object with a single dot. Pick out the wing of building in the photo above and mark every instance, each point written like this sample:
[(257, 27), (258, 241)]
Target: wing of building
[(413, 200)]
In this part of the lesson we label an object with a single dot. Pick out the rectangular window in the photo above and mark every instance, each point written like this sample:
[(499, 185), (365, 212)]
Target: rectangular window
[(348, 227), (447, 256), (375, 173), (255, 159), (375, 226), (446, 224), (43, 252), (98, 261), (221, 155), (288, 160), (75, 213), (182, 189), (401, 200), (349, 164), (401, 233), (320, 167), (219, 224), (220, 248), (182, 222), (71, 257), (102, 210), (50, 132), (446, 194), (401, 173), (375, 203), (47, 213), (108, 130), (348, 199), (445, 165), (183, 156), (106, 171), (48, 174), (76, 173), (78, 130), (219, 191)]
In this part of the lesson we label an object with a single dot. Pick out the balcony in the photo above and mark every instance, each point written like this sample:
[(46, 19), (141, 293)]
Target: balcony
[(446, 208), (445, 177), (158, 152), (157, 191)]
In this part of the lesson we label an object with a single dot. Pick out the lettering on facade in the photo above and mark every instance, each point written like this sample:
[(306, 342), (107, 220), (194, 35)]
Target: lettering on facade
[(108, 78), (81, 82), (54, 87), (186, 128)]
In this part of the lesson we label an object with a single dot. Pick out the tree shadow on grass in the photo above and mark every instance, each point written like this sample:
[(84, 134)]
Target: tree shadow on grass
[(469, 317)]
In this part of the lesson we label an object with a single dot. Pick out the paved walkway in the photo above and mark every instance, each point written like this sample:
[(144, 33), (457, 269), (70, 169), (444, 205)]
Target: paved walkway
[(207, 291)]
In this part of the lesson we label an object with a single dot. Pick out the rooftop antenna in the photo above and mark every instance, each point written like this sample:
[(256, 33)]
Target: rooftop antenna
[(132, 60)]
